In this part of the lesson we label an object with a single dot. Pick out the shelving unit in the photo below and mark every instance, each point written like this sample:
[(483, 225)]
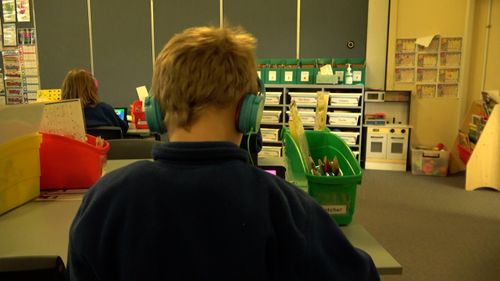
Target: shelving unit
[(484, 163), (279, 98)]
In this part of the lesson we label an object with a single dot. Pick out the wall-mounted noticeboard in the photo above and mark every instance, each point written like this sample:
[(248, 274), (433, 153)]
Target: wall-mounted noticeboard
[(434, 70)]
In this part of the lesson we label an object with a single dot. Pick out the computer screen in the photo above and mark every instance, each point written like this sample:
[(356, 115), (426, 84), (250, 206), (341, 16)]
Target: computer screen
[(276, 170), (121, 112)]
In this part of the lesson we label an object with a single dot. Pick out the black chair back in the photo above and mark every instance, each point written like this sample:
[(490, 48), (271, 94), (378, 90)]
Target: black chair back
[(131, 148), (106, 132), (40, 268)]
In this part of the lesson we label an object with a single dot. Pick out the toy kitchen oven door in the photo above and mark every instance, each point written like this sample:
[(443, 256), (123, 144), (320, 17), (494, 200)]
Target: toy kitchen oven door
[(387, 147)]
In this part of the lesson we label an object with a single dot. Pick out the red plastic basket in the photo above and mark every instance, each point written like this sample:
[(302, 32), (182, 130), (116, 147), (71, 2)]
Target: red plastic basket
[(464, 153), (66, 163)]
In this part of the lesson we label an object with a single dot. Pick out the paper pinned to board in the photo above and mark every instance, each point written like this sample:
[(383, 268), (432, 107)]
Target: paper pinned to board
[(142, 93), (426, 40), (326, 69), (20, 120)]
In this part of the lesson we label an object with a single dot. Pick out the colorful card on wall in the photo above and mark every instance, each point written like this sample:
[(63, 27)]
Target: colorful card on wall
[(427, 75), (2, 88), (9, 35), (426, 90), (14, 96), (405, 45), (449, 75), (26, 36), (405, 59), (427, 60), (49, 95), (453, 44), (23, 10), (9, 11), (404, 75), (450, 59), (447, 90)]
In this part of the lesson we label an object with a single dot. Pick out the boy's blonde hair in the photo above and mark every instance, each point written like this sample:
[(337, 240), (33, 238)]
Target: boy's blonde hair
[(203, 67), (80, 84)]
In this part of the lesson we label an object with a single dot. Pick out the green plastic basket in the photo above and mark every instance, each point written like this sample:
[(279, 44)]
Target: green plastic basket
[(262, 67), (307, 75), (337, 195)]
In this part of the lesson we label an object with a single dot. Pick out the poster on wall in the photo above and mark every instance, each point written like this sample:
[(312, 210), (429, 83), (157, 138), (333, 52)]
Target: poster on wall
[(447, 90), (9, 35), (2, 88), (426, 91), (404, 75), (452, 44), (9, 10), (405, 59), (26, 36), (435, 69), (427, 75), (405, 45), (23, 10)]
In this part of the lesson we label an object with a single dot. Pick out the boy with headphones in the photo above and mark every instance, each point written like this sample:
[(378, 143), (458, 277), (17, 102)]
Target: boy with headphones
[(200, 211)]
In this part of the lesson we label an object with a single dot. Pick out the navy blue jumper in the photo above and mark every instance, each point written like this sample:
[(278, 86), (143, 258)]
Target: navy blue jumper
[(201, 212)]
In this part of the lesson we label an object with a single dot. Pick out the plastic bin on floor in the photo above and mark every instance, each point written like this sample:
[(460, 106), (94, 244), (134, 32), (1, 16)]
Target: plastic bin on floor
[(67, 163), (19, 171), (337, 195), (426, 161)]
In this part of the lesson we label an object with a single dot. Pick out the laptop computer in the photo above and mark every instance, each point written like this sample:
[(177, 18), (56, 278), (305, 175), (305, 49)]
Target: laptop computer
[(121, 112), (277, 170)]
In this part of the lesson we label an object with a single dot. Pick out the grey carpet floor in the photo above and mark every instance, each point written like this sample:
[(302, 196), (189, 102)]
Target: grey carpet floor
[(433, 227)]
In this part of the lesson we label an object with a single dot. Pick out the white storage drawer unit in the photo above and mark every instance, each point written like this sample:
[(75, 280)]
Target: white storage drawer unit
[(303, 98), (273, 98), (351, 138), (345, 99), (307, 117), (270, 134), (271, 116), (343, 118), (270, 151)]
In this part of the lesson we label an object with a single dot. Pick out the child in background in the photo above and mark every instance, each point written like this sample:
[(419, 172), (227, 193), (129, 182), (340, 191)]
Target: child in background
[(81, 84)]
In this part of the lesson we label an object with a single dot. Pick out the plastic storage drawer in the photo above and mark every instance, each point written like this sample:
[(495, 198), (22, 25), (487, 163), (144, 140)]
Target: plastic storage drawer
[(345, 99), (343, 118), (303, 98), (271, 116), (270, 134), (273, 98), (351, 138), (270, 151), (307, 117)]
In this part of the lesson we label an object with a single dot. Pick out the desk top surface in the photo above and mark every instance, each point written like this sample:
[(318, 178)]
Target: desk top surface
[(41, 227)]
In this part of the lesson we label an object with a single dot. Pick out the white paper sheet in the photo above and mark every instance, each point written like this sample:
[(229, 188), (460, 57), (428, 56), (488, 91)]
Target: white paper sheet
[(64, 118), (142, 93), (425, 41)]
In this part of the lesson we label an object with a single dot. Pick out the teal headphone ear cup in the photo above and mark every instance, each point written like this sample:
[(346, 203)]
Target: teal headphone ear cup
[(154, 116), (250, 114)]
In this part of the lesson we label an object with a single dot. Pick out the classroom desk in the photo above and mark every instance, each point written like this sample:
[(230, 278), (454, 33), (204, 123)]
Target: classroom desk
[(139, 132), (41, 227)]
